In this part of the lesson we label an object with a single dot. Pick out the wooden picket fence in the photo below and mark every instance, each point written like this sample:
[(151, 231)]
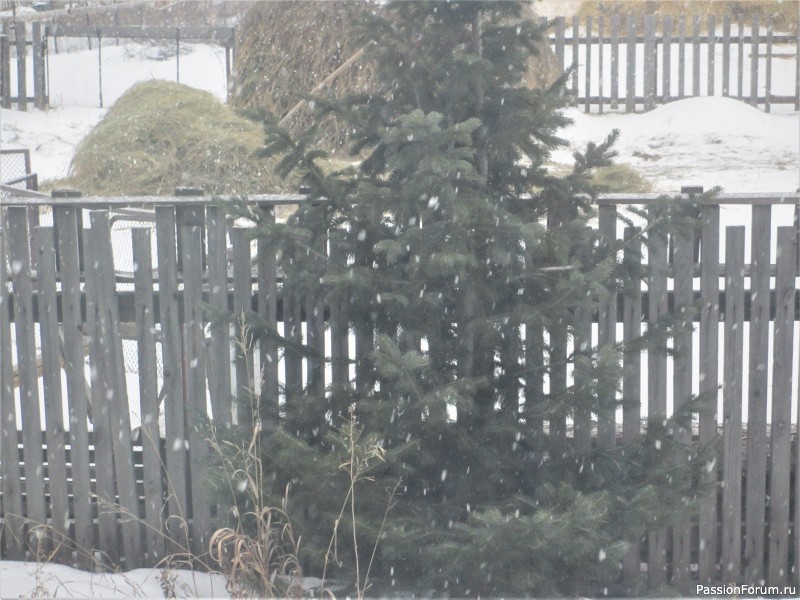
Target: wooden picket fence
[(130, 496), (655, 59), (15, 36)]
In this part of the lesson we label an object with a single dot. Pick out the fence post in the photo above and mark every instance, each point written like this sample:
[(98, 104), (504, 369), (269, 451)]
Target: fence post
[(39, 91), (173, 389), (5, 66), (696, 56), (22, 81), (650, 60), (768, 82), (726, 55), (712, 38), (614, 61), (757, 441), (666, 75), (731, 550), (195, 385), (148, 390), (656, 384), (781, 426), (68, 223), (631, 384), (630, 76), (754, 33), (682, 57), (607, 331), (13, 537), (588, 66), (20, 256), (740, 60), (600, 33), (559, 45), (575, 47), (708, 383)]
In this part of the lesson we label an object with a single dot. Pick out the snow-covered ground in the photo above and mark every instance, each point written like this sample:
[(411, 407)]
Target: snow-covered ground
[(31, 580)]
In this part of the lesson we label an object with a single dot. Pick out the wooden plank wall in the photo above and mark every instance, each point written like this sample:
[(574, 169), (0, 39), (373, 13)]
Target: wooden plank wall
[(157, 478), (654, 54)]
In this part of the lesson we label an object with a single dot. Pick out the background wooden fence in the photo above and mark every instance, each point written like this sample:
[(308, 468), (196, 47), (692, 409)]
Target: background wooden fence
[(653, 60), (15, 46), (90, 469)]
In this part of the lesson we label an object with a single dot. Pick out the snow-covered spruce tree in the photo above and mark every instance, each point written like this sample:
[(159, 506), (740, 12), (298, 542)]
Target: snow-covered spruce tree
[(462, 266)]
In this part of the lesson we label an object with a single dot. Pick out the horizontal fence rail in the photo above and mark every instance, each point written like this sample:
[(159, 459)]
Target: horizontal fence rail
[(634, 63), (108, 336)]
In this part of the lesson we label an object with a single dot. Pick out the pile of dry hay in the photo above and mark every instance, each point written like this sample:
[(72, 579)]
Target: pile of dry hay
[(287, 49), (160, 135)]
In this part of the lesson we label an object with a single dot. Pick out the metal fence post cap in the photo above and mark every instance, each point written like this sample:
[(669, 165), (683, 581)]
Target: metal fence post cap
[(65, 193), (188, 191), (691, 189)]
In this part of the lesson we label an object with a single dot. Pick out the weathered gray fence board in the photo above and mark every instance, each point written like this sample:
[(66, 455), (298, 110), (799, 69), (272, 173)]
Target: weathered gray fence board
[(731, 538), (740, 60), (13, 536), (666, 71), (115, 388), (754, 61), (708, 383), (172, 389), (108, 538), (588, 65), (696, 55), (601, 24), (657, 388), (19, 245), (340, 356), (268, 312), (220, 346), (682, 392), (682, 57), (614, 61), (558, 384), (768, 68), (293, 332), (582, 434), (711, 48), (196, 386), (630, 66), (22, 65), (5, 65), (607, 334), (726, 55), (632, 330), (39, 96), (650, 77), (781, 423), (65, 219), (560, 29), (51, 390), (148, 390), (757, 442), (631, 384), (575, 47), (797, 107), (242, 307), (534, 376)]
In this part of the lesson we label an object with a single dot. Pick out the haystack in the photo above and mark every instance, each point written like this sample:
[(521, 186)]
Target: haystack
[(287, 49), (160, 135)]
